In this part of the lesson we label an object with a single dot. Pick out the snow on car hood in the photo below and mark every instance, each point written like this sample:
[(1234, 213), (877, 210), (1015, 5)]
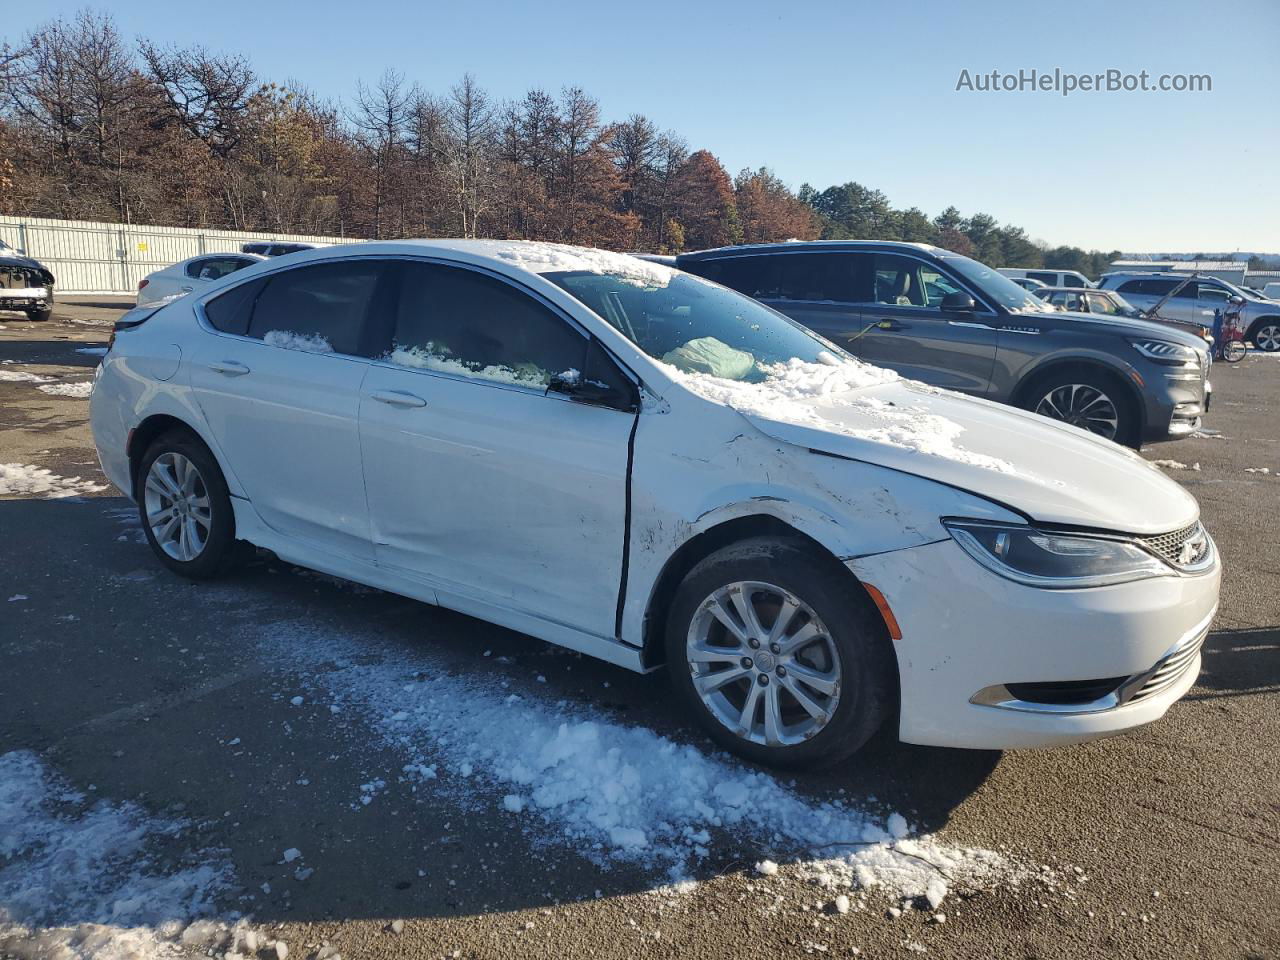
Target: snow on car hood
[(1051, 472)]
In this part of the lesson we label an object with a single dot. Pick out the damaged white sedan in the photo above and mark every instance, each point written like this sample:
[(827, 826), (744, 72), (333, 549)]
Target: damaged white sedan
[(638, 464)]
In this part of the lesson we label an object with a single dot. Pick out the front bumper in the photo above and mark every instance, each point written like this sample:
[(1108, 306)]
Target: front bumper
[(969, 636), (29, 299), (1176, 400)]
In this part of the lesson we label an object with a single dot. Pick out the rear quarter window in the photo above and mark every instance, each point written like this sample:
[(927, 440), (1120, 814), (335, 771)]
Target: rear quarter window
[(230, 312)]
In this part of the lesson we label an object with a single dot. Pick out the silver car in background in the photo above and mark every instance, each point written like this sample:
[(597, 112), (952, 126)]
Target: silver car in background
[(1199, 300), (190, 275)]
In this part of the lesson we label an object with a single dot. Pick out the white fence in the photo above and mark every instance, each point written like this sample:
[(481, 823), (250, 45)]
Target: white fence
[(89, 257)]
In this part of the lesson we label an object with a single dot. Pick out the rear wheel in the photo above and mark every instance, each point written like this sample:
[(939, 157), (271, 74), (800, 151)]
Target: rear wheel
[(1087, 400), (1267, 336), (40, 315), (1233, 351), (185, 507), (779, 654)]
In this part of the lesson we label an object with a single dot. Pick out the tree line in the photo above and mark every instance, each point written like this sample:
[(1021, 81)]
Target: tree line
[(94, 127)]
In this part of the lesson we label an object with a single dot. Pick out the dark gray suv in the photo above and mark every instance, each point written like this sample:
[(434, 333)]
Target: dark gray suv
[(949, 321)]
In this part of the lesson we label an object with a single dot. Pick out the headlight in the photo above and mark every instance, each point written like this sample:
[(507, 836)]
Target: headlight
[(1161, 351), (1055, 561)]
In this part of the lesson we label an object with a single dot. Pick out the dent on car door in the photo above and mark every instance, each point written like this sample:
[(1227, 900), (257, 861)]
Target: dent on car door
[(279, 385), (482, 481), (916, 336)]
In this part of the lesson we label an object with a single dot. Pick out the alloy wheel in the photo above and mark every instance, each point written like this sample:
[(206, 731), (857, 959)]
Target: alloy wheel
[(1081, 405), (1268, 337), (763, 663), (177, 506)]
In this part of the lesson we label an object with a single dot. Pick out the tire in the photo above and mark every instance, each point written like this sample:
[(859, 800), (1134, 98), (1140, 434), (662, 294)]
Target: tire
[(40, 316), (1266, 335), (1233, 351), (204, 544), (1071, 396), (848, 643)]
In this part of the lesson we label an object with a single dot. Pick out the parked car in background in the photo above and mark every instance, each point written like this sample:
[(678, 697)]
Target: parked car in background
[(25, 284), (950, 321), (272, 248), (1271, 291), (636, 464), (187, 275), (1108, 303), (1050, 278), (1028, 283), (1198, 299)]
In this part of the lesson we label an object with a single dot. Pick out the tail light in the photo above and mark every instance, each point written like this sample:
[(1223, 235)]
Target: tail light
[(143, 282)]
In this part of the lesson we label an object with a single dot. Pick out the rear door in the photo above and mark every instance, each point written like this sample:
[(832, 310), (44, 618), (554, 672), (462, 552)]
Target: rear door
[(278, 378), (482, 481), (909, 331)]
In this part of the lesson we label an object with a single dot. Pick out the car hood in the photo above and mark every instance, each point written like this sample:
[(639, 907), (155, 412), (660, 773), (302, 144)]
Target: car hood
[(13, 260), (1048, 471), (1128, 326)]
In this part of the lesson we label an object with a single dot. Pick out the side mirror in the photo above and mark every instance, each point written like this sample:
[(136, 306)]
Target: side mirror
[(959, 302), (1235, 301)]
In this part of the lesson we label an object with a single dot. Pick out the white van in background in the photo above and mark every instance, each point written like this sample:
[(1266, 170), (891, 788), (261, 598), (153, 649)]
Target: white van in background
[(1050, 278)]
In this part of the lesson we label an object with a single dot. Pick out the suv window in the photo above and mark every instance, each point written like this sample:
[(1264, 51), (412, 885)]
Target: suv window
[(906, 282), (1100, 304), (214, 268), (816, 276), (1149, 286), (1050, 278), (1212, 294), (754, 276), (461, 322), (319, 308)]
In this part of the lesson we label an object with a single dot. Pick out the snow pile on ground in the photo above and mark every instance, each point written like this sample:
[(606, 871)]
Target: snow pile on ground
[(307, 342), (538, 257), (1262, 470), (427, 359), (794, 391), (79, 879), (21, 376), (24, 479), (1175, 465), (78, 391), (613, 792)]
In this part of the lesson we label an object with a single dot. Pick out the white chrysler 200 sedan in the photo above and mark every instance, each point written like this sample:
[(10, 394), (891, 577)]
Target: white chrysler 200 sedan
[(644, 466)]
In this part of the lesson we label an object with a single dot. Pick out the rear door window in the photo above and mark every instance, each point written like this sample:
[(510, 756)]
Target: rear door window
[(1148, 286), (320, 308), (1050, 278), (816, 277)]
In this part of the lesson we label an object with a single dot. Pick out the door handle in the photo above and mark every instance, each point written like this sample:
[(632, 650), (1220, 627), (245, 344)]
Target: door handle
[(188, 289), (229, 367), (398, 398), (891, 325)]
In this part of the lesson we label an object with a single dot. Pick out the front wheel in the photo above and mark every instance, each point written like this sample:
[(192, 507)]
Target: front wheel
[(1233, 351), (780, 654), (40, 315), (1267, 336), (185, 507), (1089, 401)]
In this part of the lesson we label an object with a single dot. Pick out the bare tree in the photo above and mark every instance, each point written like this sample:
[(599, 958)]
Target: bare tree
[(381, 120), (209, 94), (469, 149)]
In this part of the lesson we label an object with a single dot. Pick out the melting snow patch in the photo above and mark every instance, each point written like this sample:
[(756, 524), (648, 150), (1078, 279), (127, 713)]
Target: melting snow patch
[(794, 392), (24, 479), (1262, 470), (614, 792), (92, 351), (79, 879), (1175, 465), (21, 376), (307, 342), (79, 391)]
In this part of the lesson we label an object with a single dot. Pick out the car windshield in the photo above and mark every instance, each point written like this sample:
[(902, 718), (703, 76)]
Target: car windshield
[(695, 325), (996, 286)]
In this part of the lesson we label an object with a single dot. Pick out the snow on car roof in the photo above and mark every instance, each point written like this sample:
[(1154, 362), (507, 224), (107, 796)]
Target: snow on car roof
[(539, 257)]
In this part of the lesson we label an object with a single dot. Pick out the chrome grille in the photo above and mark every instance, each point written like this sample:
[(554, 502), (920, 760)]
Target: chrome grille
[(1166, 673), (1168, 546)]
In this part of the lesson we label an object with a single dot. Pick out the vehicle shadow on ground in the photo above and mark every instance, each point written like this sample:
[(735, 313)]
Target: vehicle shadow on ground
[(60, 353), (156, 689), (1239, 663)]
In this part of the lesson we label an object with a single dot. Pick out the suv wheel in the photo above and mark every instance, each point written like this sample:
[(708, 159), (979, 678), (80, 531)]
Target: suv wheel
[(778, 658), (40, 315), (185, 507), (1267, 336), (1087, 400)]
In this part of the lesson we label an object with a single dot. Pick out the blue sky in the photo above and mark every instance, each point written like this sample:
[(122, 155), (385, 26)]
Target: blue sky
[(825, 92)]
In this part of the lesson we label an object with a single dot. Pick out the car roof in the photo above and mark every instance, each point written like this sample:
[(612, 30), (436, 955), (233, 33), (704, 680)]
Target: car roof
[(1048, 289), (792, 246)]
